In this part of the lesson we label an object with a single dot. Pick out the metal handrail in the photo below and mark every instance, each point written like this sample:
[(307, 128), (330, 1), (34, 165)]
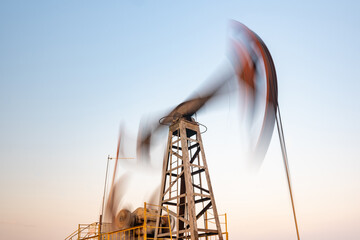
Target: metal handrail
[(80, 230), (131, 232), (222, 223)]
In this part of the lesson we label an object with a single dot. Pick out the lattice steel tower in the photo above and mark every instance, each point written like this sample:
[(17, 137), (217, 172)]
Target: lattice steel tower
[(186, 187)]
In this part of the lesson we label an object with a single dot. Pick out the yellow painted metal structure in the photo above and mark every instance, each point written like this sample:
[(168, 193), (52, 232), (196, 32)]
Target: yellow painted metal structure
[(93, 231), (209, 221)]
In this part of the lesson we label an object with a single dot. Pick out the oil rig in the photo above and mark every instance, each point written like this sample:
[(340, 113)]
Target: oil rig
[(186, 207)]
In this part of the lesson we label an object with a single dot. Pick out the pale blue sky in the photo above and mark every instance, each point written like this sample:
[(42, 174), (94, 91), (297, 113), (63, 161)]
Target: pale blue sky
[(70, 71)]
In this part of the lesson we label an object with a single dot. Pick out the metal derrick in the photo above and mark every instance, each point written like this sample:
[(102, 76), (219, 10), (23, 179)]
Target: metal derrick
[(186, 187)]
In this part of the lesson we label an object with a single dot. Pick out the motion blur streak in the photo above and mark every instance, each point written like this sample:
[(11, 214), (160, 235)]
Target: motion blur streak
[(249, 53), (117, 192), (249, 56), (250, 59)]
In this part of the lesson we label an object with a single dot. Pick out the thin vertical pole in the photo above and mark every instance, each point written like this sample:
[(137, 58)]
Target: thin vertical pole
[(103, 202), (286, 165)]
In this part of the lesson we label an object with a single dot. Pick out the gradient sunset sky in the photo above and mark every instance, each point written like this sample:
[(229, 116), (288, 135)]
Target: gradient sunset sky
[(71, 71)]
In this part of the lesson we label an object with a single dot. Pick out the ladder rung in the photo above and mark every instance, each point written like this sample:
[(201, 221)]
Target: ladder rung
[(172, 174)]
